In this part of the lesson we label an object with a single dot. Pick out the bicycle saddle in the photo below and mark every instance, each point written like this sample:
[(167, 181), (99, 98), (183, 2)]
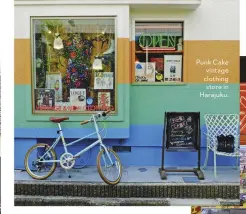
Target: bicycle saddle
[(58, 119)]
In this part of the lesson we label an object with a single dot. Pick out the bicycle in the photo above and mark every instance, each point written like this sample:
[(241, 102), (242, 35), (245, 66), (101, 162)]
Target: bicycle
[(46, 155)]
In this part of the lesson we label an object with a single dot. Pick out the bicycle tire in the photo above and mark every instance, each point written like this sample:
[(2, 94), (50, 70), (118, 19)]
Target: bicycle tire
[(27, 167), (100, 170)]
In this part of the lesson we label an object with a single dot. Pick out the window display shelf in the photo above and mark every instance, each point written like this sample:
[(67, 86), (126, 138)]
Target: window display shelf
[(156, 51), (159, 83)]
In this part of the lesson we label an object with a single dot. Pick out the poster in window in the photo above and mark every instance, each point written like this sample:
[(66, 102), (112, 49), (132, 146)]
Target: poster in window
[(159, 63), (145, 72), (103, 80), (78, 99), (172, 68), (104, 99), (54, 81), (44, 99), (159, 76)]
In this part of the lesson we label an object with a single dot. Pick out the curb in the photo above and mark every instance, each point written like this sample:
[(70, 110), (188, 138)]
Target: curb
[(82, 201), (128, 190)]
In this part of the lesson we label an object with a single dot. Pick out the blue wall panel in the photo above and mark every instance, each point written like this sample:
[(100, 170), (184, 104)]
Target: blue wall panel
[(20, 149), (146, 142)]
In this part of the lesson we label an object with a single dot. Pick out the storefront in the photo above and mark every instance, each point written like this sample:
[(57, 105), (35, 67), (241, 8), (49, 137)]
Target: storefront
[(136, 58), (242, 100)]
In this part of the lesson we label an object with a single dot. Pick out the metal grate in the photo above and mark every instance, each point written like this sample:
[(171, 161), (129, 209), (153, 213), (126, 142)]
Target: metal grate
[(122, 148)]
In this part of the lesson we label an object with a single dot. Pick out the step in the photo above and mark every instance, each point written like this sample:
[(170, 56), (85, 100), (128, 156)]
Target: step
[(204, 202), (27, 200), (128, 190)]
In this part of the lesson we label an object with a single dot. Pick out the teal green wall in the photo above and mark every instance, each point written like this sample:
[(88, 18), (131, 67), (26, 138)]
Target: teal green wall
[(139, 123), (146, 105)]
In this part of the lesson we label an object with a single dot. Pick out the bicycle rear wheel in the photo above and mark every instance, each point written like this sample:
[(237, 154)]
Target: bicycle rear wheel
[(110, 172), (36, 169)]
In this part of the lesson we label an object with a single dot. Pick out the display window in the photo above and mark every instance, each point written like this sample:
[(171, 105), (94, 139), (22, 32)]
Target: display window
[(158, 52), (73, 64)]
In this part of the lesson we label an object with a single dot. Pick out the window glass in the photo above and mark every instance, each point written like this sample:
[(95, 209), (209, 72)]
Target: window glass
[(73, 64), (158, 52)]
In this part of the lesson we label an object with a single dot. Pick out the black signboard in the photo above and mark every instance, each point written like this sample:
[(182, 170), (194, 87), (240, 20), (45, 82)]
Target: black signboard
[(182, 130), (181, 133)]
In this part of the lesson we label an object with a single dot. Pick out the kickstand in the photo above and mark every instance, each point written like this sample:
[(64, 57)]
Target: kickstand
[(69, 176)]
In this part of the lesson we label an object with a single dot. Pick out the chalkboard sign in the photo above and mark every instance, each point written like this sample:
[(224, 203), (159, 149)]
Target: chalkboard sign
[(182, 131)]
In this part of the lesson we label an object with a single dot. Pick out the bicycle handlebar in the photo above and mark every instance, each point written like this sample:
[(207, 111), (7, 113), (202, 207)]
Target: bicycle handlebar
[(100, 114), (105, 113), (84, 122)]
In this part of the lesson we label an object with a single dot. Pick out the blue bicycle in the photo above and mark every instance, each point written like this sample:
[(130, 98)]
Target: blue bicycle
[(41, 159)]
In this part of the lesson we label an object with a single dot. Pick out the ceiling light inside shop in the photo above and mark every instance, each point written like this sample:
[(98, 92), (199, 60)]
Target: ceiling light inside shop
[(103, 32), (97, 64), (58, 44)]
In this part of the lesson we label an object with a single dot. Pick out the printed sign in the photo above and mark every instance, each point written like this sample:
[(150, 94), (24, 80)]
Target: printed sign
[(172, 68), (78, 98), (145, 72), (54, 81), (103, 80), (44, 99), (104, 99)]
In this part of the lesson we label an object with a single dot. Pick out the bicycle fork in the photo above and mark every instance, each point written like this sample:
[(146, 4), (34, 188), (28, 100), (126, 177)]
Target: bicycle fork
[(101, 144), (103, 147)]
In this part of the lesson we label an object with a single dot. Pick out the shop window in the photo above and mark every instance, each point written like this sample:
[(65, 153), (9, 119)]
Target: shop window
[(159, 52), (73, 65)]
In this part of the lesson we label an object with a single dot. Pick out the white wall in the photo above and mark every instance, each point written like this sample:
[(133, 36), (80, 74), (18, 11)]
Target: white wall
[(23, 14), (212, 20)]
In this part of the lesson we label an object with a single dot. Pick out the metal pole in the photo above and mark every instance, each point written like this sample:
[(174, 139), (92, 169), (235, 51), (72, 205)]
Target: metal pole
[(199, 141)]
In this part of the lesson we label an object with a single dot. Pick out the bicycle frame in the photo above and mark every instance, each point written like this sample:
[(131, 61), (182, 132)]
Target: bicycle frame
[(77, 155)]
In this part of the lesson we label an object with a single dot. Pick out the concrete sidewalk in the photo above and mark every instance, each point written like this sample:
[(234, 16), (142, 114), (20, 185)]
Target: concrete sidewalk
[(138, 186), (23, 200), (140, 174)]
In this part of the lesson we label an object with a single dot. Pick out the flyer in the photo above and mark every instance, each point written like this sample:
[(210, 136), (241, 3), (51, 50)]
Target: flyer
[(172, 68), (145, 72), (78, 98), (54, 81), (103, 80)]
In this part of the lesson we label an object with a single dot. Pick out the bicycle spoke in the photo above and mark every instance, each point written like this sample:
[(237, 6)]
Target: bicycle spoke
[(37, 168), (109, 166), (104, 160)]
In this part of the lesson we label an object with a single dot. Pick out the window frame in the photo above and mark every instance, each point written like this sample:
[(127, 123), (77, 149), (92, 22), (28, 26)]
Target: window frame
[(33, 70), (134, 21)]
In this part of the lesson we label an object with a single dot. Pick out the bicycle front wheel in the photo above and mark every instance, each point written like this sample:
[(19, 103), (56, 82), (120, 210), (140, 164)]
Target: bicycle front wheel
[(109, 167), (35, 163)]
